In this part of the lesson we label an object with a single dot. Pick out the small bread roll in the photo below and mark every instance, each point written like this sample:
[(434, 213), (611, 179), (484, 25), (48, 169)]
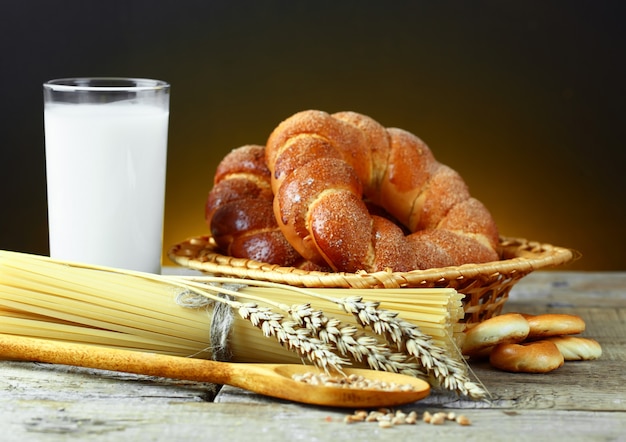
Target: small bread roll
[(553, 324), (504, 329), (577, 349), (532, 357)]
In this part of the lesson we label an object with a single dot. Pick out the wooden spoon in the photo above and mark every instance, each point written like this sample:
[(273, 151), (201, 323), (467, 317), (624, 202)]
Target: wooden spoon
[(268, 379)]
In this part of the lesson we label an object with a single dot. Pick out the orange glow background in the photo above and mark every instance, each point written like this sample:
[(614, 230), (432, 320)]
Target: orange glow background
[(514, 106), (524, 99)]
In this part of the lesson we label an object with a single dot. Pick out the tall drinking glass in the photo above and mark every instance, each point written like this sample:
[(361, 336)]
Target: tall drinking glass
[(106, 151)]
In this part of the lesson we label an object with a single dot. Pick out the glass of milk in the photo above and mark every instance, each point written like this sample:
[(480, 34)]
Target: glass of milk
[(106, 150)]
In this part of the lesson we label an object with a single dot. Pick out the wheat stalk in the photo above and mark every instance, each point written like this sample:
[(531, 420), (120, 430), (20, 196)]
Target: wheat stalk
[(349, 342), (272, 324), (293, 337), (448, 372), (311, 333)]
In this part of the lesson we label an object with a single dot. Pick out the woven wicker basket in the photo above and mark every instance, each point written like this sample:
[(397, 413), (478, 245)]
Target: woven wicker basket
[(486, 286)]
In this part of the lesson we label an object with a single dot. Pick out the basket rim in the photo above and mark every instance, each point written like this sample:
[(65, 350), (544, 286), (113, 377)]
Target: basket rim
[(518, 258)]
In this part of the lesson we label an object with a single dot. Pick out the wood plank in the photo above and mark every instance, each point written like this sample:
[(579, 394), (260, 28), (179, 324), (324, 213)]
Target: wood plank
[(108, 406), (561, 289), (152, 419), (26, 381)]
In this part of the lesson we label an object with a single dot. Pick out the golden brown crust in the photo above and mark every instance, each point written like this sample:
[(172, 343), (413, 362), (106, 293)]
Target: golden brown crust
[(532, 357), (301, 212), (519, 342), (324, 165), (379, 142), (316, 124), (554, 324), (248, 159), (503, 329), (410, 164), (574, 348), (239, 211), (502, 340)]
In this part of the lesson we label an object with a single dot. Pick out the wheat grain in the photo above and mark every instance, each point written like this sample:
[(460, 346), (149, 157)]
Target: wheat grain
[(351, 381), (293, 337), (449, 373), (348, 341)]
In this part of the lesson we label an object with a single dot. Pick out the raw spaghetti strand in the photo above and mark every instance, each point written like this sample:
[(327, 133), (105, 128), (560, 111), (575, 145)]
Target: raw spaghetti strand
[(41, 297)]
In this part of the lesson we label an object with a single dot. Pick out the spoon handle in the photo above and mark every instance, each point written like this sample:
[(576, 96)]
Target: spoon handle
[(104, 358), (268, 379)]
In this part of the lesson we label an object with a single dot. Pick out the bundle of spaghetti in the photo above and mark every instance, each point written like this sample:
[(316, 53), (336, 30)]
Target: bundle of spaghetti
[(47, 299), (74, 302), (436, 311)]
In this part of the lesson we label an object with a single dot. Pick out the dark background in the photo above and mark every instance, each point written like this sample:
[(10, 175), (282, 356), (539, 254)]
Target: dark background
[(524, 98)]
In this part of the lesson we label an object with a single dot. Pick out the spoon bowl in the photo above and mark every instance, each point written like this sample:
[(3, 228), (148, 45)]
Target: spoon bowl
[(397, 389), (275, 380)]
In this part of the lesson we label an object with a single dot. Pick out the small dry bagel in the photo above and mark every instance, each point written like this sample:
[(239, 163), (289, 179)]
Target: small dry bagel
[(554, 324), (574, 348), (503, 329), (530, 357)]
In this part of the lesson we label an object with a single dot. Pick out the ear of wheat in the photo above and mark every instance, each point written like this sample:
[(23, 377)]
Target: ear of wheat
[(413, 331)]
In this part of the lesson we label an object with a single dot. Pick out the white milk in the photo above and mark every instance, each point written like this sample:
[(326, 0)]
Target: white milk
[(106, 183)]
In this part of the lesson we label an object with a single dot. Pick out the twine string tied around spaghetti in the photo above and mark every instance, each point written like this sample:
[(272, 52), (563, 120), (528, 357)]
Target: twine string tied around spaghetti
[(222, 318)]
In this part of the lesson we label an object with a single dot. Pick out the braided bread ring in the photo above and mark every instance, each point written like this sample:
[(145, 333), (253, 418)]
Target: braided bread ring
[(532, 357), (577, 349), (323, 165)]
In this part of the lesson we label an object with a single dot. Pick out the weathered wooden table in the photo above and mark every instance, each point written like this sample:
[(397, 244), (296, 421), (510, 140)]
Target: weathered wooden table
[(580, 401)]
